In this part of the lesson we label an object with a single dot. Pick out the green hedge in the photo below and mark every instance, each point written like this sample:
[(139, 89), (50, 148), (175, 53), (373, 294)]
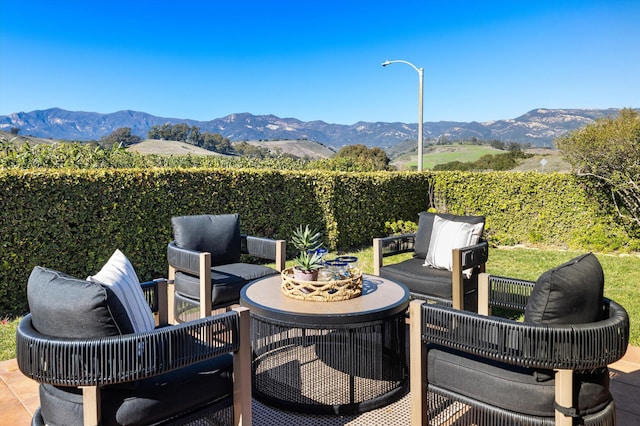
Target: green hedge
[(74, 220)]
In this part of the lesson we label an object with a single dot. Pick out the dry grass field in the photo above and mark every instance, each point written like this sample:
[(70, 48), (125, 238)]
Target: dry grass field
[(299, 148), (155, 146)]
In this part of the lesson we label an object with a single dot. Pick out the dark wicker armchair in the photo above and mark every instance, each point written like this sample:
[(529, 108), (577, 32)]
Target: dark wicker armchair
[(93, 370), (453, 286), (205, 263), (549, 369)]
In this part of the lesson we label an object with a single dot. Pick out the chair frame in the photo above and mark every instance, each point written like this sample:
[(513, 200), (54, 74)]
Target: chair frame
[(200, 265), (516, 343), (72, 362), (462, 259)]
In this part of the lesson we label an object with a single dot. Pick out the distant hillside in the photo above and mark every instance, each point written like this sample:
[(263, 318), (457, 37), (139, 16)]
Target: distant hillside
[(155, 146), (538, 127), (10, 137), (297, 148)]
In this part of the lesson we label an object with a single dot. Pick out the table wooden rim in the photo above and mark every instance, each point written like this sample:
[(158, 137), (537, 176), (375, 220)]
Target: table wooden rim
[(381, 298)]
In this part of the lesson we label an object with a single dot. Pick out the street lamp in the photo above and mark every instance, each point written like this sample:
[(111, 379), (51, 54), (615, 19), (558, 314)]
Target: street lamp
[(420, 93)]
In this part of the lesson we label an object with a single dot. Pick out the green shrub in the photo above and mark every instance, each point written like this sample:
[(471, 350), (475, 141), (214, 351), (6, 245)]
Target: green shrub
[(73, 220)]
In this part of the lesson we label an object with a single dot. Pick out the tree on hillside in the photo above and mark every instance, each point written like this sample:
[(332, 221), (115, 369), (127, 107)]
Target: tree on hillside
[(375, 158), (195, 137), (249, 150), (609, 150), (121, 136), (216, 142), (164, 131)]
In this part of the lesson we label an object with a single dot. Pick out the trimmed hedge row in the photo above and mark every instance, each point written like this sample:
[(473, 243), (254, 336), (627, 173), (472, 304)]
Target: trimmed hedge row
[(74, 220)]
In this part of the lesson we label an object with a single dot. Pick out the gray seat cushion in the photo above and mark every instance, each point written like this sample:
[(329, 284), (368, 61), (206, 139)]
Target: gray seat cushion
[(226, 281), (424, 280), (512, 388), (149, 401)]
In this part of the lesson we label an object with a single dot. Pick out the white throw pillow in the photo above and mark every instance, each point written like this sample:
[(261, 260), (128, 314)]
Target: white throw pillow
[(118, 274), (448, 235)]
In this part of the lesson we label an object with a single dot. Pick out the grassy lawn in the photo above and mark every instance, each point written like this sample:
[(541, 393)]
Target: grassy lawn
[(8, 338), (441, 154), (622, 281)]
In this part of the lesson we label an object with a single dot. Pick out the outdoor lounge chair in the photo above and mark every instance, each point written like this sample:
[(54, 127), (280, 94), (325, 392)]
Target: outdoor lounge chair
[(79, 343), (549, 369), (448, 254), (204, 263)]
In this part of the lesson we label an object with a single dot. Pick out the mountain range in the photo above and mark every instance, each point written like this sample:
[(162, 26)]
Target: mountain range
[(537, 127)]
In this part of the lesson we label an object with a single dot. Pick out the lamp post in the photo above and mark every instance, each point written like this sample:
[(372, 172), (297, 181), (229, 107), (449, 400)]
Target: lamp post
[(420, 104)]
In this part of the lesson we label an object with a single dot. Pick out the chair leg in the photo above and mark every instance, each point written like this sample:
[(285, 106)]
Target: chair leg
[(91, 405), (457, 280), (171, 301), (377, 256), (242, 372), (564, 396), (483, 294), (281, 254), (205, 284), (418, 366)]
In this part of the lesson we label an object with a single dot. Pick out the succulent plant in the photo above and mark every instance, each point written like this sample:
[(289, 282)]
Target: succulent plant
[(304, 238), (308, 262), (307, 241)]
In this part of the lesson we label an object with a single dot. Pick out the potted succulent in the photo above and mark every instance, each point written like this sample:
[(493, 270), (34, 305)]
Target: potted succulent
[(308, 261)]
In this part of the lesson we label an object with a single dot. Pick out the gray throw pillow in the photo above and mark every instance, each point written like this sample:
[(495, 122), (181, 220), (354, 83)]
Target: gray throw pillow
[(64, 306), (568, 294), (215, 234)]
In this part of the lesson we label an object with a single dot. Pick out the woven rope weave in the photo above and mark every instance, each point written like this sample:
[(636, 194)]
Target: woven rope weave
[(322, 291)]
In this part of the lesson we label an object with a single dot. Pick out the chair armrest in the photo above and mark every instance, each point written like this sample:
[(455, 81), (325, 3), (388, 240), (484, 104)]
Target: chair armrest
[(152, 291), (126, 358), (504, 292), (183, 259), (475, 255), (397, 244), (156, 294), (265, 248), (388, 246), (570, 347)]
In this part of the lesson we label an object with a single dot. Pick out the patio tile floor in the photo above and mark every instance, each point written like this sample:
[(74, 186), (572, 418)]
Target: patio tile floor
[(19, 399)]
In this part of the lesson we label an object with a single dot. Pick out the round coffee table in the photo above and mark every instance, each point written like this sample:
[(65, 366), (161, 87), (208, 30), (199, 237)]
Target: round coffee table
[(341, 357)]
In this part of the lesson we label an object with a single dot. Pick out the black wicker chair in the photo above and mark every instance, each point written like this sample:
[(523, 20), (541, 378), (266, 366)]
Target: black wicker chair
[(194, 373), (549, 369), (205, 263), (451, 287)]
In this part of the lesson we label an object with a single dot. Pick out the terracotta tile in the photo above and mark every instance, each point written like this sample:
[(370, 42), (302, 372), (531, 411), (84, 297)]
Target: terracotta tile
[(632, 354), (8, 366), (625, 367), (5, 393), (14, 414), (31, 404)]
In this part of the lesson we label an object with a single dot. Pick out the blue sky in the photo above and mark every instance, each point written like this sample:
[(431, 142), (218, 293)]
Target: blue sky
[(319, 59)]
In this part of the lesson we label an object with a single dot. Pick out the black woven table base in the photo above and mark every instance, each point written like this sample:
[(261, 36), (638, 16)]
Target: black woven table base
[(330, 371)]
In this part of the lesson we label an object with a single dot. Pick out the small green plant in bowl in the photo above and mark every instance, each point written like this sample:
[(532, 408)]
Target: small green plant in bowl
[(307, 263)]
